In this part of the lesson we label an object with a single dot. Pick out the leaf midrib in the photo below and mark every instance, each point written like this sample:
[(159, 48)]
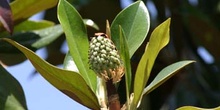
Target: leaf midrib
[(82, 64)]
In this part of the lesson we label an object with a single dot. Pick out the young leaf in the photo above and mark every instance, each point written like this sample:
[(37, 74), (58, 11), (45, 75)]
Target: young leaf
[(159, 38), (165, 74), (140, 76), (135, 22), (68, 82), (11, 93), (124, 53), (197, 108), (77, 40)]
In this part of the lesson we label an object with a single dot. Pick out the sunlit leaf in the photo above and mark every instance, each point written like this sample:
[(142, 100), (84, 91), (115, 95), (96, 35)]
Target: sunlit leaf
[(159, 38), (11, 93), (135, 22), (77, 40), (68, 82), (139, 84), (197, 108)]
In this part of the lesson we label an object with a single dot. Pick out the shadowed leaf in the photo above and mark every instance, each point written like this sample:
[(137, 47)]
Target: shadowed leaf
[(33, 39), (11, 93)]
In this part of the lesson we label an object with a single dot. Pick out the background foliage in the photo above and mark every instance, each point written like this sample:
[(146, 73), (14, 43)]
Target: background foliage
[(195, 24)]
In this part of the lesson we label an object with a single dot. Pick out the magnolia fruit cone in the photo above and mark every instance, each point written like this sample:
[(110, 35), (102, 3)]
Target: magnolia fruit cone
[(104, 58)]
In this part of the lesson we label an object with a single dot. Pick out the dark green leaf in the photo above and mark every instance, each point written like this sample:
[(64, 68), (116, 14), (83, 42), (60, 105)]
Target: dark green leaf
[(29, 25), (69, 82), (11, 93), (33, 39), (77, 40), (10, 59), (135, 22)]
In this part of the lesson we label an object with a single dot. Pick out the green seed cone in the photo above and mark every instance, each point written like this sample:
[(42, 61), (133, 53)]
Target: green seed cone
[(104, 58)]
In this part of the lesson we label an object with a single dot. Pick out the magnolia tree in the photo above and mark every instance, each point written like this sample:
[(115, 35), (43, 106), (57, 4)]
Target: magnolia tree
[(94, 65)]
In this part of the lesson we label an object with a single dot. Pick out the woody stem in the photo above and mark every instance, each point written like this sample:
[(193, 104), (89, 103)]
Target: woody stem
[(113, 98)]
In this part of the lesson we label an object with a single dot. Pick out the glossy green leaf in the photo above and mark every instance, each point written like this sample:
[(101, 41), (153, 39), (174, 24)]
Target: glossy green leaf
[(135, 22), (23, 9), (159, 38), (68, 82), (11, 93), (124, 53), (197, 108), (77, 40), (165, 74)]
